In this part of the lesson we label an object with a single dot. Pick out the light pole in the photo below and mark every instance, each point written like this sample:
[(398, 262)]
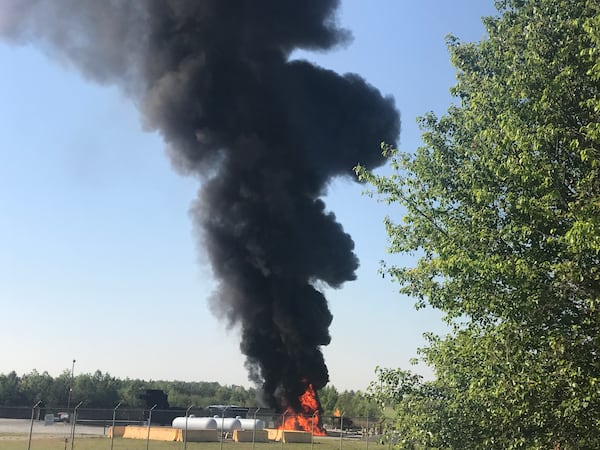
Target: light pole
[(112, 430), (149, 422), (187, 413), (31, 427), (69, 399), (70, 387)]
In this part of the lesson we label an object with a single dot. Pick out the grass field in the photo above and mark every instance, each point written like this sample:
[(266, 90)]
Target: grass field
[(20, 441)]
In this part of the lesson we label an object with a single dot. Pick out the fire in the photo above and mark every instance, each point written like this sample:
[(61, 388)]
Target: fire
[(308, 418), (337, 413)]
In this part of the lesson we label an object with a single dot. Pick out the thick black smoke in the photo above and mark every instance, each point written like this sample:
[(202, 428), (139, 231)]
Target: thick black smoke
[(266, 134)]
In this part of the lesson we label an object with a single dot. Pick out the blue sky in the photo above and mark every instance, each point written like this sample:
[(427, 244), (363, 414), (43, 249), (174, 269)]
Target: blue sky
[(98, 260)]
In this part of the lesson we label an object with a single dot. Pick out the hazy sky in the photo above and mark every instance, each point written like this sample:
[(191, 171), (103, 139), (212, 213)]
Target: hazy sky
[(98, 260)]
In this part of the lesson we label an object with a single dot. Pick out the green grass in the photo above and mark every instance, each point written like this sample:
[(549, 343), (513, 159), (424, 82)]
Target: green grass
[(19, 442)]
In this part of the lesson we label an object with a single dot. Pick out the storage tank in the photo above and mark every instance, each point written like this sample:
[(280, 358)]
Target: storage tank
[(195, 423), (252, 424), (227, 424)]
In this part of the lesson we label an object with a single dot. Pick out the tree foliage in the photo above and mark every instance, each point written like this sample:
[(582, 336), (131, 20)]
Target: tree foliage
[(502, 202), (101, 390), (347, 403)]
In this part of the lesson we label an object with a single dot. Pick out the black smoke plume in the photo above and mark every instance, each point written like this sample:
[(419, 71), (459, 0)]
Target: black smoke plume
[(265, 133)]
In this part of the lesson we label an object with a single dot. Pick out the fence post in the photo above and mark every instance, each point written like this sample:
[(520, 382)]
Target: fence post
[(367, 433), (223, 426), (282, 428), (254, 428), (341, 430), (149, 424), (74, 423), (31, 427), (187, 413), (312, 434), (112, 429)]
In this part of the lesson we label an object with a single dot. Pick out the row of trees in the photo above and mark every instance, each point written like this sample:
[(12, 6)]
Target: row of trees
[(100, 390), (502, 203), (348, 403)]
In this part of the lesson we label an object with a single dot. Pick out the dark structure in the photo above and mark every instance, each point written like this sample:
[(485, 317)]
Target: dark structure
[(228, 411), (162, 413)]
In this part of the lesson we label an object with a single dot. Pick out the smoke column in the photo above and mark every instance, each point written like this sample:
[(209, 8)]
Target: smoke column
[(265, 134)]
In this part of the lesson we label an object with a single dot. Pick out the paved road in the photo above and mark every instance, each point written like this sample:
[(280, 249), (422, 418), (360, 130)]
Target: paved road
[(55, 429)]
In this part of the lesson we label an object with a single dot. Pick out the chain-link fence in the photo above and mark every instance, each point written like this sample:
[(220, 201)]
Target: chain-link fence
[(124, 428)]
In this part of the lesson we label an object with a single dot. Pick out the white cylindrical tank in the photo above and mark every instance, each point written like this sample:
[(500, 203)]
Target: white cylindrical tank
[(227, 424), (195, 423), (252, 424)]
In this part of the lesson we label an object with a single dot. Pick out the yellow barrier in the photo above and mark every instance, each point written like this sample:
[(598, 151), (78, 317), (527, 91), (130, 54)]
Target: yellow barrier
[(248, 435), (118, 430), (198, 436), (288, 436), (156, 433), (273, 434)]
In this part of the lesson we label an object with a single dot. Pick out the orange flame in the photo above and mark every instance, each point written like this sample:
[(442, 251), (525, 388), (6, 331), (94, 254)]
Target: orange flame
[(308, 418), (337, 413)]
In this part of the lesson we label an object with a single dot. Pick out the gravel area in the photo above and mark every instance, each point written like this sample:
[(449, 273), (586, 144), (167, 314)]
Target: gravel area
[(22, 426)]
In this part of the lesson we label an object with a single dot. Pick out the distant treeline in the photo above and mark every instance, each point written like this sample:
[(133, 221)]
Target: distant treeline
[(101, 390)]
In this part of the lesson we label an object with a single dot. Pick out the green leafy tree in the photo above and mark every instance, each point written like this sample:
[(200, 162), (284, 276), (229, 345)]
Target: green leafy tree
[(353, 404), (328, 397), (101, 390), (502, 203), (35, 386), (97, 390), (129, 391), (10, 390)]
